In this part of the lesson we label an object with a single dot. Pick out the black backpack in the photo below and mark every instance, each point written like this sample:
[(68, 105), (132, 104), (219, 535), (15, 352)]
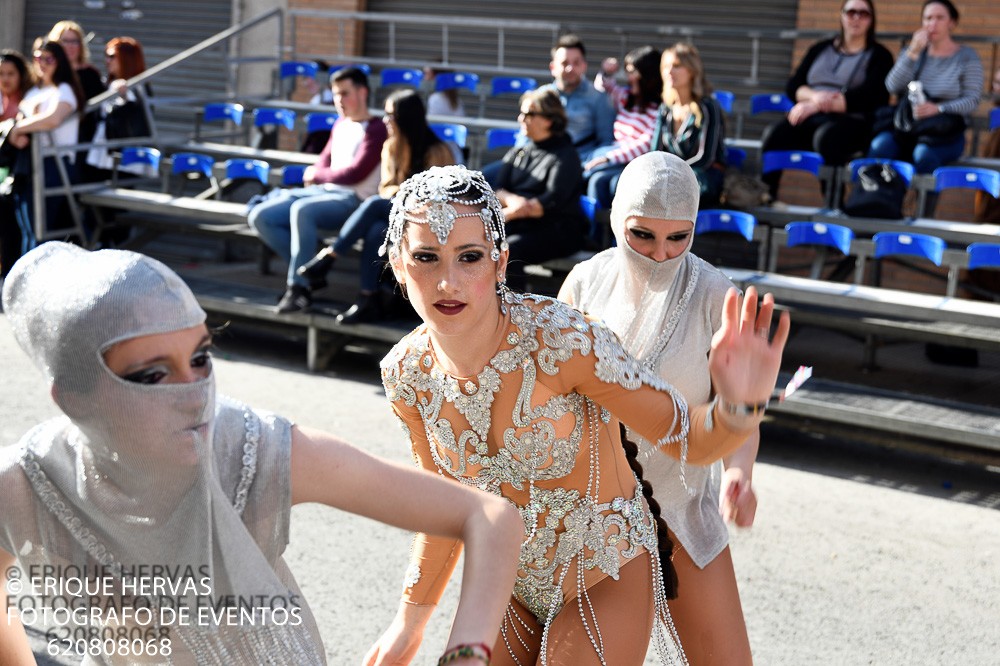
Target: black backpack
[(879, 193)]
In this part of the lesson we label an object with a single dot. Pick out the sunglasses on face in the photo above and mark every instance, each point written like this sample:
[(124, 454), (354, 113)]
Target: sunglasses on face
[(857, 13), (531, 114), (44, 58)]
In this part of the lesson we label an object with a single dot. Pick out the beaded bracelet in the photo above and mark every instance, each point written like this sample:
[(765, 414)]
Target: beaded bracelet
[(479, 651)]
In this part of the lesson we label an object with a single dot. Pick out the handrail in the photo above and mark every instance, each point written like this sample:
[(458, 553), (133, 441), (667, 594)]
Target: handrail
[(203, 45)]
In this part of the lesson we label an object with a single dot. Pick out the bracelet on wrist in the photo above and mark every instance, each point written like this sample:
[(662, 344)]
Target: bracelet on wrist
[(742, 409), (480, 651)]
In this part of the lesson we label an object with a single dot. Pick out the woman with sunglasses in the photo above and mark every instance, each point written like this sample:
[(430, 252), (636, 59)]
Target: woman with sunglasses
[(836, 89), (51, 112), (150, 470), (73, 39), (125, 59), (539, 186)]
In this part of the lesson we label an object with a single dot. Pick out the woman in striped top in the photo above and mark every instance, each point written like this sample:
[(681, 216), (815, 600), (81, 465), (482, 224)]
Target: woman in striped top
[(952, 79), (690, 123), (637, 105)]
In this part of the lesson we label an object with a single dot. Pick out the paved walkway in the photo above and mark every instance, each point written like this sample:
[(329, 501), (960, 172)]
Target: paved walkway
[(860, 555)]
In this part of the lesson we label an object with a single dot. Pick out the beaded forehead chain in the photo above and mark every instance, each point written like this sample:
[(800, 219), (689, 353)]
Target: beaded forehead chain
[(427, 198)]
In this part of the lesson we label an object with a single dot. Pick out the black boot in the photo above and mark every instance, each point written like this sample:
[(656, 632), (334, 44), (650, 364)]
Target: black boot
[(296, 299), (368, 308), (315, 269)]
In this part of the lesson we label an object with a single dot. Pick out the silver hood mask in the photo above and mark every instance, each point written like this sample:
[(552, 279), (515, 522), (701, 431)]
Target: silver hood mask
[(130, 472)]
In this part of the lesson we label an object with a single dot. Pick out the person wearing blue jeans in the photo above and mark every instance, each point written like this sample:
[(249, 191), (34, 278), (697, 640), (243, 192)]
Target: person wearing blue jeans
[(926, 157), (368, 224), (344, 175), (290, 225)]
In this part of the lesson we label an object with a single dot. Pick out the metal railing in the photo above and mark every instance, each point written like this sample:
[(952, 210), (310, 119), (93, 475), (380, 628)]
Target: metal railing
[(41, 192)]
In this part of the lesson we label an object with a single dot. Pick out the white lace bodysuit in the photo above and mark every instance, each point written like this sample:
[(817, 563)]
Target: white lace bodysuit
[(539, 425)]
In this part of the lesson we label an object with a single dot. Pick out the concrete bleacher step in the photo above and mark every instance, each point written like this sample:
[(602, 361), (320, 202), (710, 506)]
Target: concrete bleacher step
[(324, 335), (891, 411)]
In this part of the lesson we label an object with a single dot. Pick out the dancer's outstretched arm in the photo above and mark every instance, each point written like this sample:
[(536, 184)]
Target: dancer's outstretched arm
[(328, 470)]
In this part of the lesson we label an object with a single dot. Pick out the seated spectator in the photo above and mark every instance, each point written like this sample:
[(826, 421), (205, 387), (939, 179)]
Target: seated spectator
[(442, 102), (836, 88), (319, 93), (50, 111), (637, 111), (539, 186), (72, 38), (690, 123), (345, 174), (16, 80), (412, 147), (951, 77), (124, 59), (590, 115)]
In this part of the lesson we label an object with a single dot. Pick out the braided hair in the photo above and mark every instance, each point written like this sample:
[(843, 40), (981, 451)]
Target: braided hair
[(664, 543)]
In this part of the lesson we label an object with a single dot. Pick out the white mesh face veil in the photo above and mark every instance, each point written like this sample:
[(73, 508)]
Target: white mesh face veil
[(428, 198), (131, 475), (665, 314), (639, 292)]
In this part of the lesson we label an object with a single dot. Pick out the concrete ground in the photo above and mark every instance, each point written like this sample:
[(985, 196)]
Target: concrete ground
[(860, 554)]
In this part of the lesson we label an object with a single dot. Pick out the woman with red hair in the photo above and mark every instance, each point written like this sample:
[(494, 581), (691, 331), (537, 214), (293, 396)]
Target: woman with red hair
[(124, 115)]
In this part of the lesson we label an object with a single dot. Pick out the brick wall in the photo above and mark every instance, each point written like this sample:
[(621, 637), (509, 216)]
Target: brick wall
[(338, 41)]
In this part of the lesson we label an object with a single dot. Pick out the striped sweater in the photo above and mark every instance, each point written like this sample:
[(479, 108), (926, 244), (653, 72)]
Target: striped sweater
[(955, 82), (633, 130)]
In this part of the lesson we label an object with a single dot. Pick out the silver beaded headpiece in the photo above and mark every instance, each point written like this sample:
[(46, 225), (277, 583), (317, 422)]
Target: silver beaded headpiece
[(427, 198)]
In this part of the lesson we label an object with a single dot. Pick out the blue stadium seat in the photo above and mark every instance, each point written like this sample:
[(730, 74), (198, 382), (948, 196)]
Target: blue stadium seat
[(512, 85), (296, 68), (725, 99), (726, 221), (501, 138), (458, 134), (140, 155), (770, 102), (291, 175), (396, 76), (283, 117), (243, 169), (192, 163), (449, 80), (818, 233), (360, 65), (799, 160), (895, 243), (995, 118), (320, 121), (223, 111), (589, 206), (974, 178), (735, 157), (984, 255), (904, 169)]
